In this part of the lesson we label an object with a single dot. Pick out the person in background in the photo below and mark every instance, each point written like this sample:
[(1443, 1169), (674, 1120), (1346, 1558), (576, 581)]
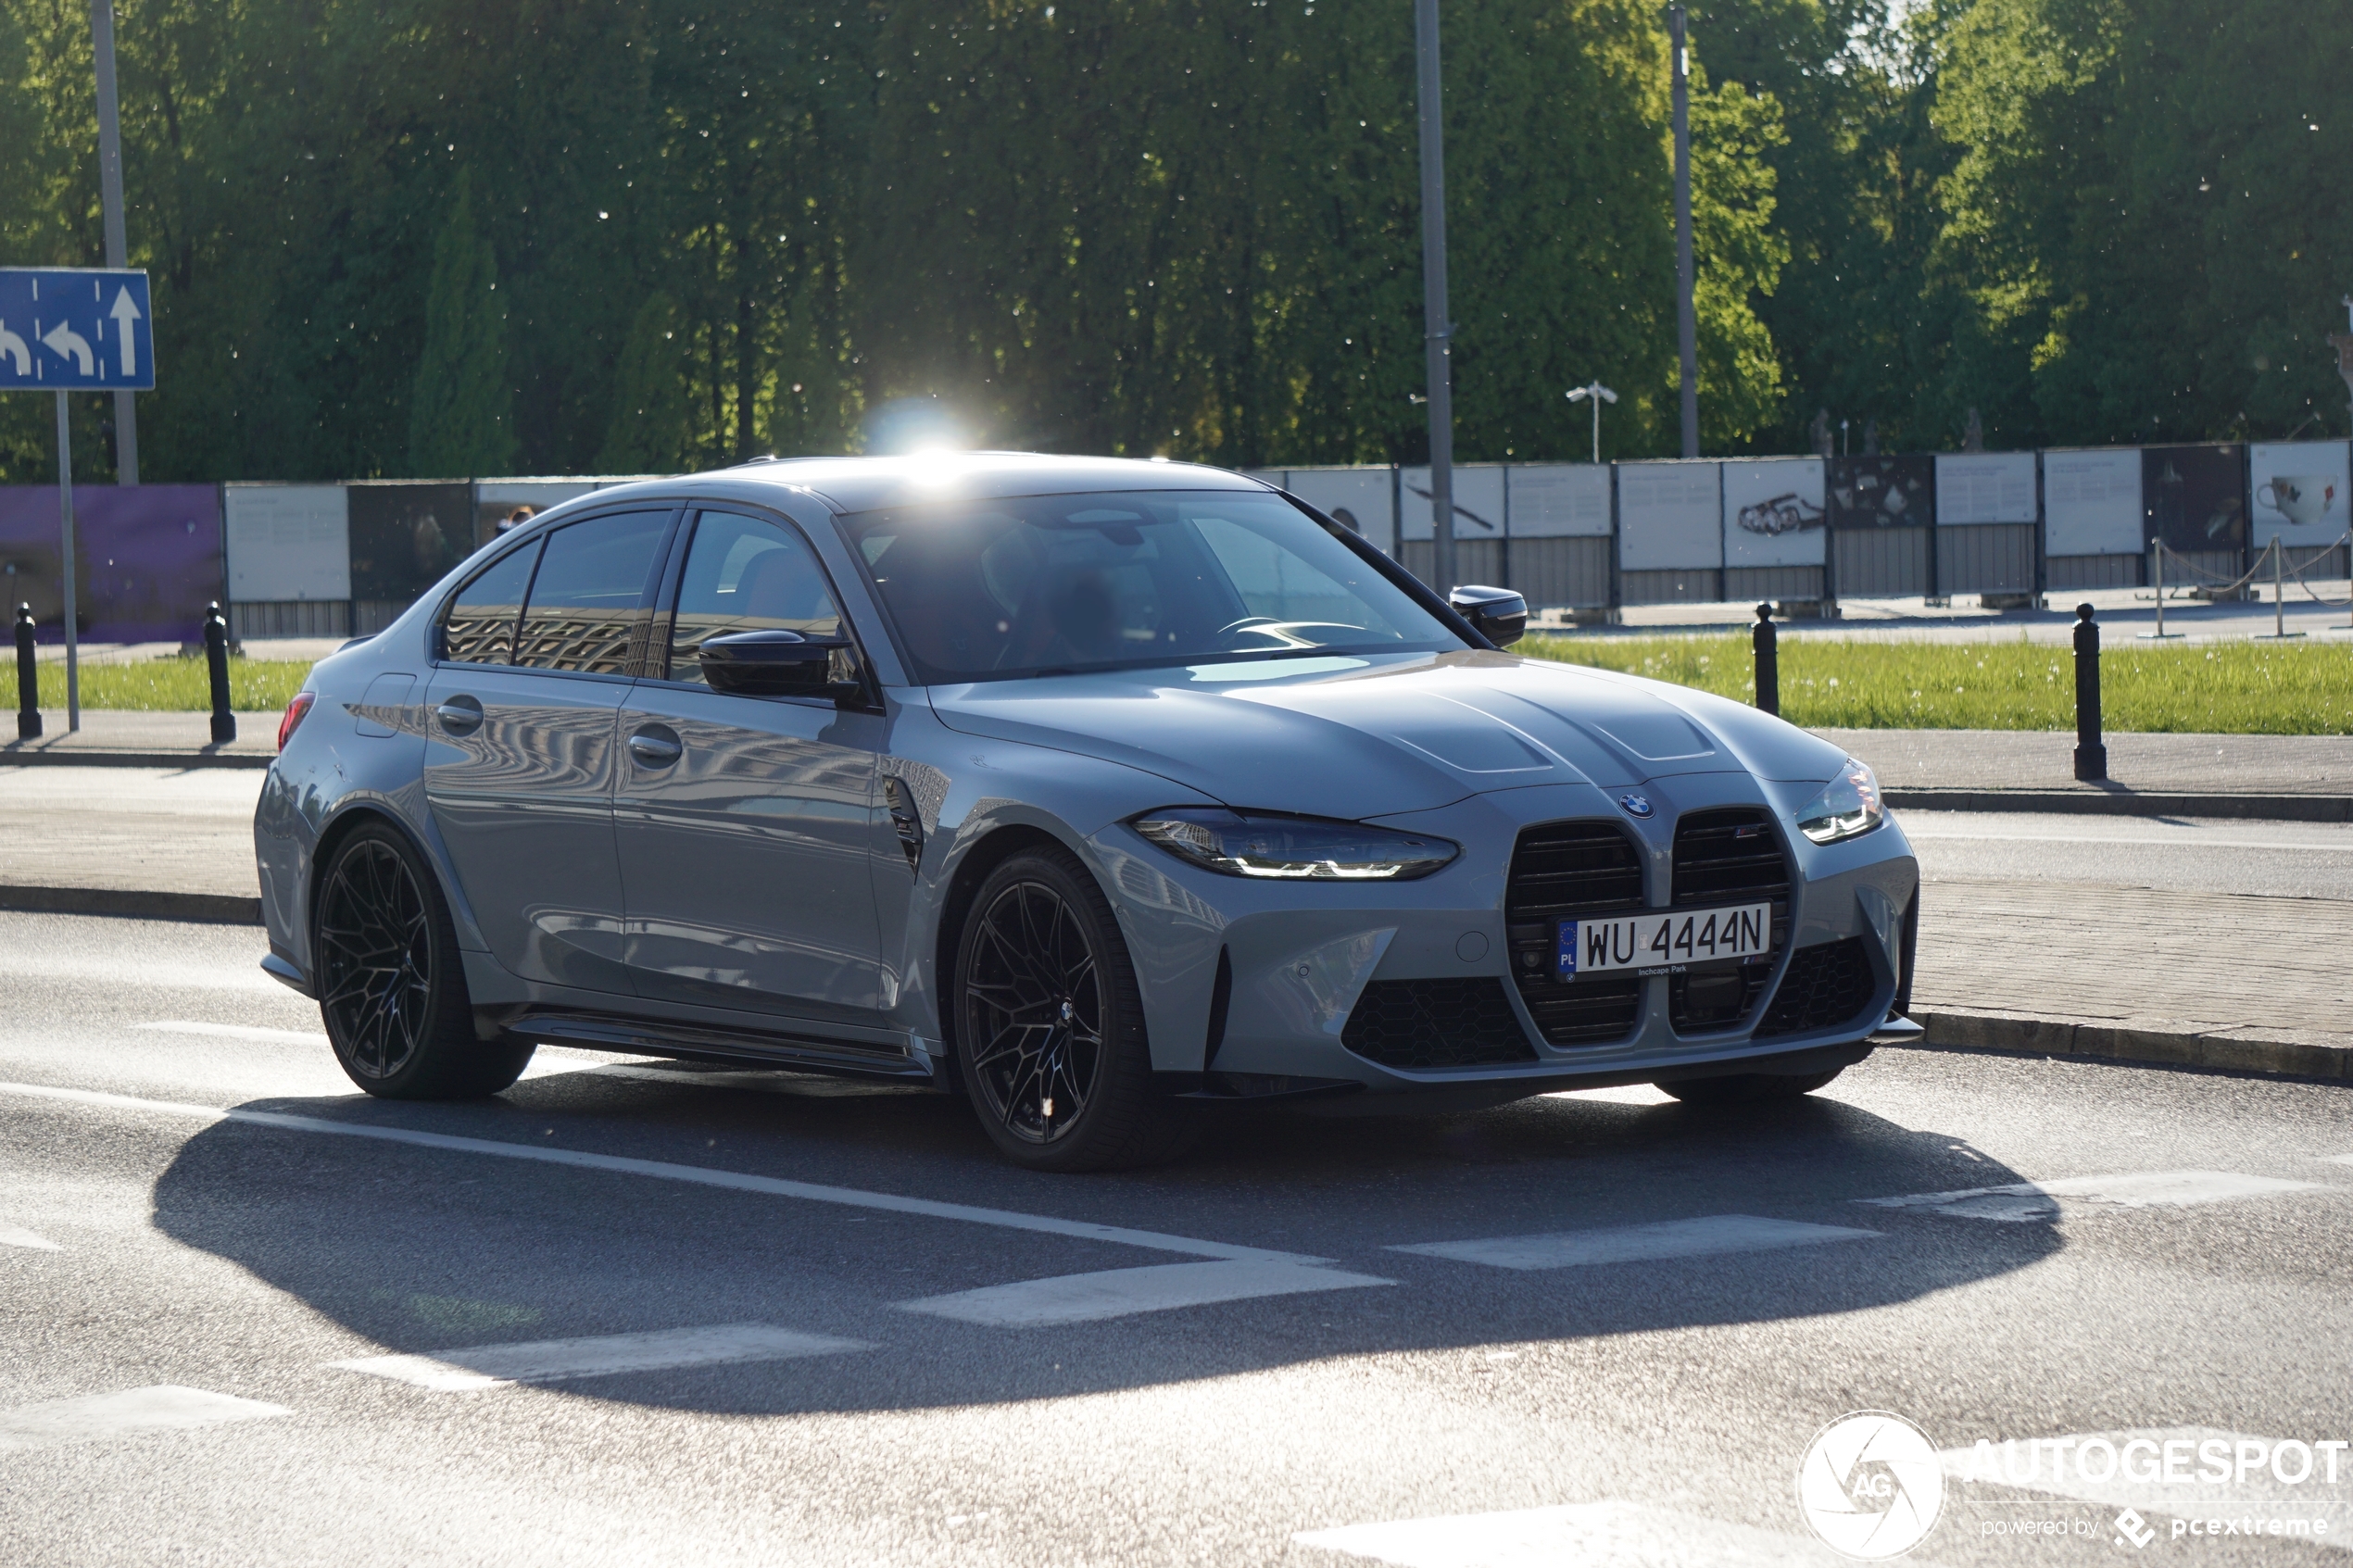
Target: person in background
[(517, 517)]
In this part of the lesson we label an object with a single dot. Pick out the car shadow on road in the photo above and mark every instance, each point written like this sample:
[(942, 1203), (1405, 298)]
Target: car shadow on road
[(419, 1250)]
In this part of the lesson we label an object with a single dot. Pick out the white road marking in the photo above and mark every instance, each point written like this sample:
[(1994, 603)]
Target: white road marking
[(554, 1360), (1629, 1094), (2177, 842), (1701, 1237), (1118, 1293), (1594, 1535), (2023, 1202), (97, 1416), (234, 1031), (662, 1170), (12, 1236), (2050, 1465)]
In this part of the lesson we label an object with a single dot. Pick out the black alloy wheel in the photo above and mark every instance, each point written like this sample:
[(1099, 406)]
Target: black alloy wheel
[(1050, 1025), (391, 986)]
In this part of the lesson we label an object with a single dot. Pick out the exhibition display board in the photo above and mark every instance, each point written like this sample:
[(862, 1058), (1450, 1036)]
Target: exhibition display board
[(1670, 516), (2092, 501)]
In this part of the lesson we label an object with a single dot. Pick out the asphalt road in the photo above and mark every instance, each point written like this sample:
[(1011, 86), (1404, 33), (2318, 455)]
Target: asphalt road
[(628, 1314), (2179, 854)]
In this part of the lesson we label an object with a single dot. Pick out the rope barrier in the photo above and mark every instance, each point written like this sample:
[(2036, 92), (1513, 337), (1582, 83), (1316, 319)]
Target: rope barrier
[(2318, 556)]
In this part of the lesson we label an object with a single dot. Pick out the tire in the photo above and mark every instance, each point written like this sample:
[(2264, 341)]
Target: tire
[(1747, 1088), (392, 987), (1047, 1013)]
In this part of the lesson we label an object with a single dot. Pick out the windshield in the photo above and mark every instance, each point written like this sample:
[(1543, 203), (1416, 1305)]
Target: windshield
[(1047, 585)]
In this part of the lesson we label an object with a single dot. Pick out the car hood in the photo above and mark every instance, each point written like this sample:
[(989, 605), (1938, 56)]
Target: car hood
[(1358, 738)]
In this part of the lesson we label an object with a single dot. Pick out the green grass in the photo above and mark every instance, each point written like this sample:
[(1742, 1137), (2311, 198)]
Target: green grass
[(178, 685), (2300, 689)]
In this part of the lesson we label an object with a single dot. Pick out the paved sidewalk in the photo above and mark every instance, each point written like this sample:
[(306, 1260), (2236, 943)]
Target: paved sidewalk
[(2282, 778), (117, 737)]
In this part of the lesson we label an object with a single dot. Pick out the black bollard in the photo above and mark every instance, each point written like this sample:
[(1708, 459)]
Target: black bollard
[(1768, 643), (27, 677), (2091, 753), (215, 657)]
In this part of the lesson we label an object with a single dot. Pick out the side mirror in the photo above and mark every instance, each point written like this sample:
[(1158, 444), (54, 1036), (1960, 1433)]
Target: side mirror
[(1497, 614), (777, 664)]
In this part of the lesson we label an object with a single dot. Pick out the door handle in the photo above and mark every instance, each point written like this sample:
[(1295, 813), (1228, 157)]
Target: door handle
[(458, 715), (656, 747)]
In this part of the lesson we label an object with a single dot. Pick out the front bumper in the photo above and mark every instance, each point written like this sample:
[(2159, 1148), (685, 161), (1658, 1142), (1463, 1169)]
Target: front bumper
[(1298, 957)]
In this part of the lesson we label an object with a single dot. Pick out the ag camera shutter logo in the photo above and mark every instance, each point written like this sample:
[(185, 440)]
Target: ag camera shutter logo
[(1870, 1485)]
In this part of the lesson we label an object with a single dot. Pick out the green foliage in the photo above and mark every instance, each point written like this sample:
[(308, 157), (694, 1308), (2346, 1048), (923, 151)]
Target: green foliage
[(725, 227), (461, 414), (2225, 688), (177, 685)]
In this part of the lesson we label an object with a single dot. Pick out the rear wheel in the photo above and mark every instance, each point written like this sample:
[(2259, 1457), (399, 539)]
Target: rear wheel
[(391, 985), (1050, 1025), (1746, 1088)]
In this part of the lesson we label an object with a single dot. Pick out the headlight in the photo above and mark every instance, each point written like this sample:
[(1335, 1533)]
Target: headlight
[(1848, 806), (1293, 848)]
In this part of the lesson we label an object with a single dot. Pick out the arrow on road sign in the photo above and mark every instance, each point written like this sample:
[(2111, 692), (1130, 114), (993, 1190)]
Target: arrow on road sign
[(67, 344), (125, 313), (14, 347)]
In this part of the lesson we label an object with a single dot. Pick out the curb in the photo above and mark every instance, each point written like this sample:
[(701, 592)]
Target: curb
[(218, 908), (57, 757), (2126, 803), (2280, 1054)]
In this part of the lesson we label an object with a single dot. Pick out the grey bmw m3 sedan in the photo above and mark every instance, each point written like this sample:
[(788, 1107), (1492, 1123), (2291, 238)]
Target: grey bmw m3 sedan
[(1102, 793)]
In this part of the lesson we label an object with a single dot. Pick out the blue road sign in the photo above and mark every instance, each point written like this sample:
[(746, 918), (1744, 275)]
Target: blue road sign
[(75, 329)]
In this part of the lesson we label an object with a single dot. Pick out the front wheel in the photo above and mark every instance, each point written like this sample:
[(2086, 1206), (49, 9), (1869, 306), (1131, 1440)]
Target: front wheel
[(1050, 1025), (391, 985), (1748, 1088)]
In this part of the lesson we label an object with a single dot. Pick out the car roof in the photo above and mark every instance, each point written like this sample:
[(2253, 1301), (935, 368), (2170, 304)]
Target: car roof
[(859, 484)]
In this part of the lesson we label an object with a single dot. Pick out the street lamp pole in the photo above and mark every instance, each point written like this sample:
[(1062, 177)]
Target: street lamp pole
[(1595, 393), (1686, 316), (126, 408), (1436, 331)]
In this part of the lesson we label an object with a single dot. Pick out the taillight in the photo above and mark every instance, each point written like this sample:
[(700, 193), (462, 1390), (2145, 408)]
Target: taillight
[(292, 721)]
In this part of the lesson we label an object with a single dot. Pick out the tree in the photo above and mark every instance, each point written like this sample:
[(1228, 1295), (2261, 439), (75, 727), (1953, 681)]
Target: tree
[(461, 414)]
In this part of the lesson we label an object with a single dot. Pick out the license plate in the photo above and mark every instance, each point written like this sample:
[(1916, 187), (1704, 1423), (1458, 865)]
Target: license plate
[(1663, 939)]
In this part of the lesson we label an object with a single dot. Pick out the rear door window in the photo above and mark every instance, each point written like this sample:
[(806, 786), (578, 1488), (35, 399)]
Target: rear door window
[(587, 606), (480, 625)]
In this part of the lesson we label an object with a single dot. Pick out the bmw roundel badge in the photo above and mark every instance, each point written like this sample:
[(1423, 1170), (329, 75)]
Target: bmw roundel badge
[(1636, 805)]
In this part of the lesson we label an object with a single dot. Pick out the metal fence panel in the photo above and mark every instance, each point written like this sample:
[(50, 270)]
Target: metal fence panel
[(1560, 573), (1985, 558), (1880, 563), (2067, 573)]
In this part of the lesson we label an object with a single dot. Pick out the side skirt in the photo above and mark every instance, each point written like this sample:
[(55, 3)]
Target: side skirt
[(732, 1047)]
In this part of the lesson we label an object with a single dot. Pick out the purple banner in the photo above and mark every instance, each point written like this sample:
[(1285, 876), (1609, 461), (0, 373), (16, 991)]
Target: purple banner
[(147, 560)]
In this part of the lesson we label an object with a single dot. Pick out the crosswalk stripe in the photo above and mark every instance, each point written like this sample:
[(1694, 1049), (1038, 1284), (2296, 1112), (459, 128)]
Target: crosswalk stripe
[(663, 1169), (1118, 1293), (555, 1360), (1701, 1237), (97, 1417), (1595, 1534), (10, 1235), (2023, 1202), (234, 1031)]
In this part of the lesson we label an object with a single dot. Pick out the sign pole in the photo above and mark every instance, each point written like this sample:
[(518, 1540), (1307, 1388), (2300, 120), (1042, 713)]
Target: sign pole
[(126, 408), (65, 533), (1438, 333)]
